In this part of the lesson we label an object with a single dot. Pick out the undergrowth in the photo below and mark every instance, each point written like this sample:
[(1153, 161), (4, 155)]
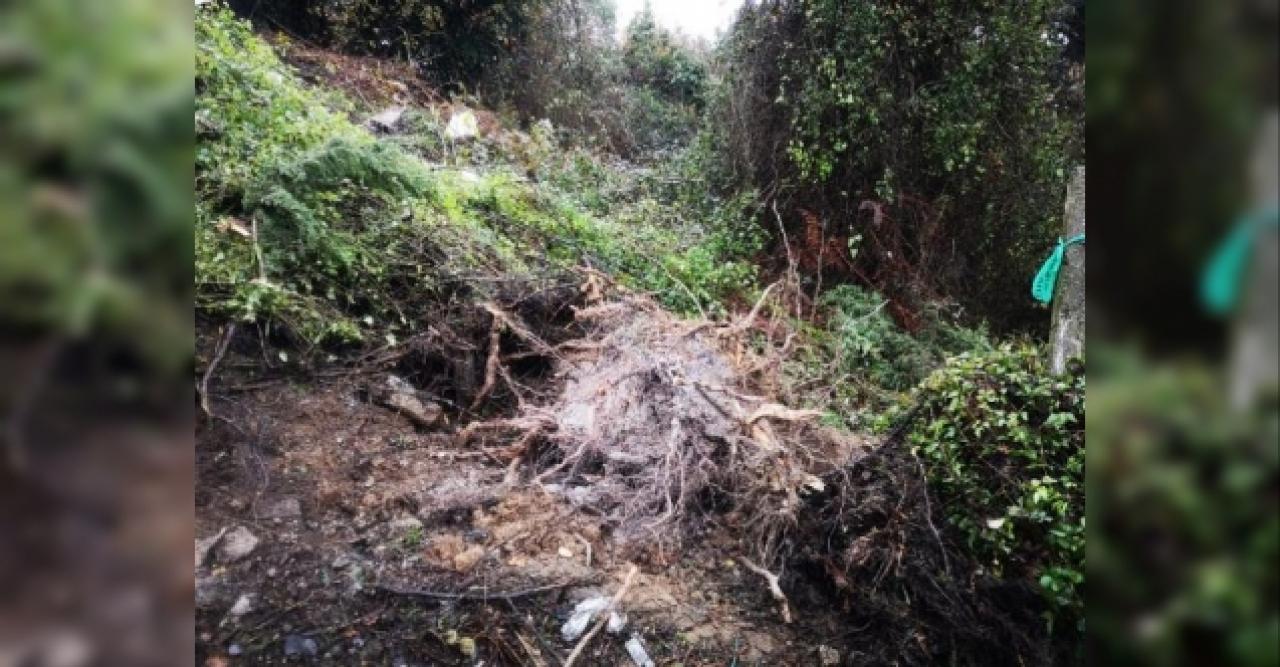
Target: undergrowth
[(1001, 440), (328, 236)]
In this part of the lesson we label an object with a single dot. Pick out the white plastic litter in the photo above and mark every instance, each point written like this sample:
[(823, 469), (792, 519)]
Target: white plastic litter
[(581, 617), (635, 649), (585, 612)]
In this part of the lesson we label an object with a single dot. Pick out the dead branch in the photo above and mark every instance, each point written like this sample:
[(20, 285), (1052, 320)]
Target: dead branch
[(483, 594), (219, 351), (518, 329), (774, 589), (603, 617), (781, 412), (928, 515), (521, 424)]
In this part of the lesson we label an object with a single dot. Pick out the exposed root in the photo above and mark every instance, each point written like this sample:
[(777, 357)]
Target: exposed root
[(784, 609), (491, 365)]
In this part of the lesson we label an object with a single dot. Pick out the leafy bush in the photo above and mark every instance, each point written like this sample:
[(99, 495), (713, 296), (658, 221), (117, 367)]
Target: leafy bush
[(858, 361), (1002, 444), (869, 342)]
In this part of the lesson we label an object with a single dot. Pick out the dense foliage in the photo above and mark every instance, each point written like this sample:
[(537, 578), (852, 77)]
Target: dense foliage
[(932, 130), (1002, 443)]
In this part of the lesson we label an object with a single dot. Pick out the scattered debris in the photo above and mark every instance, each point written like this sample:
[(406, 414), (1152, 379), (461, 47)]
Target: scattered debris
[(827, 656), (635, 649), (584, 613)]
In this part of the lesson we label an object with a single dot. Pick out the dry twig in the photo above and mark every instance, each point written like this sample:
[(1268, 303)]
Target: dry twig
[(492, 364), (219, 351)]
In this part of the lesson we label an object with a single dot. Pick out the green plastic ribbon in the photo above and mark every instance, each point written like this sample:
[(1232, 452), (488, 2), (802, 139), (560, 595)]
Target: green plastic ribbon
[(1046, 279), (1220, 283)]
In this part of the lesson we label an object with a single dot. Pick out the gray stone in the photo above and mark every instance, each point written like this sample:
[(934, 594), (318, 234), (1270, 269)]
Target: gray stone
[(295, 645), (243, 605), (1068, 334), (282, 508), (212, 592), (387, 120), (237, 545), (204, 546), (397, 394)]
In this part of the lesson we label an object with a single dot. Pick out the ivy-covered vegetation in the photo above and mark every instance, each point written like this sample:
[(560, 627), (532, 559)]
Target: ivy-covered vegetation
[(937, 132)]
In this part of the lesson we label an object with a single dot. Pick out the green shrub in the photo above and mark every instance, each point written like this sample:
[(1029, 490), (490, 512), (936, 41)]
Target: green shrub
[(1002, 443), (859, 358)]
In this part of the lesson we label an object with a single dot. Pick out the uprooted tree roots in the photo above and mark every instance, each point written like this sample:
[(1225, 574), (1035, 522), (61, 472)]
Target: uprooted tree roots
[(659, 424)]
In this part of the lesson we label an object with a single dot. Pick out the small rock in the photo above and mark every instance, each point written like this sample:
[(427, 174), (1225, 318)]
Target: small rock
[(243, 605), (387, 120), (234, 650), (397, 394), (565, 552), (341, 562), (827, 656), (203, 547), (284, 508), (237, 544), (467, 647), (295, 645), (211, 591)]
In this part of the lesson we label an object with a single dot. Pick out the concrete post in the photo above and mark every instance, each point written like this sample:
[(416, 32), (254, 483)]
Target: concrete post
[(1254, 364), (1067, 335)]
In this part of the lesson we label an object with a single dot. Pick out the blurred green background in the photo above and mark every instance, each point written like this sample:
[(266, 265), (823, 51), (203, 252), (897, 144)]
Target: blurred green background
[(1182, 488)]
